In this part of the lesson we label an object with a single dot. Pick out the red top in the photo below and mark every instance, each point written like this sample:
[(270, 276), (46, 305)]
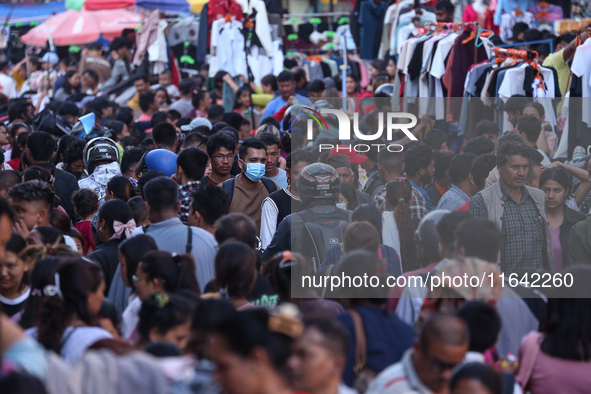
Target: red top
[(464, 207), (85, 228)]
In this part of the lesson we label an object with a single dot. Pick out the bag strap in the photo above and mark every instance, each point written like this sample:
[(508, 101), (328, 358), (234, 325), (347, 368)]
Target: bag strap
[(228, 187), (360, 343), (328, 271), (189, 247), (269, 185)]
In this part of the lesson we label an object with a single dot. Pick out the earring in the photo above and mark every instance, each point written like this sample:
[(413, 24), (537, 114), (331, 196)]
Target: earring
[(101, 229)]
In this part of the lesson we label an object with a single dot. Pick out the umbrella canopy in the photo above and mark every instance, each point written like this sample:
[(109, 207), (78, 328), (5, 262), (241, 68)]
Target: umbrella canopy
[(73, 27), (98, 5), (25, 14), (164, 5)]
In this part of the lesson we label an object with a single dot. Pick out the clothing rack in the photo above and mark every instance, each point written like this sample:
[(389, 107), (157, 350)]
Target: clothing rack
[(515, 53), (518, 44)]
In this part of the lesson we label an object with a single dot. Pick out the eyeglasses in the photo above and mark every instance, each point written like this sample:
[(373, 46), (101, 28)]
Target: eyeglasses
[(222, 157)]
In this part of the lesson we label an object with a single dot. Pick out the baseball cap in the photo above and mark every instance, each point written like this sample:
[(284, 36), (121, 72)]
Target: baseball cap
[(348, 151), (196, 123), (49, 57), (338, 161)]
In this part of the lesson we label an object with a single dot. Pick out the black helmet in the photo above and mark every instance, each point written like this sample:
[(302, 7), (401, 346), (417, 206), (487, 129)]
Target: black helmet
[(427, 227), (386, 90), (318, 180), (100, 149)]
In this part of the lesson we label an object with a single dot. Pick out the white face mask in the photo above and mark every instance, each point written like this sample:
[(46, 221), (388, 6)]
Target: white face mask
[(342, 205)]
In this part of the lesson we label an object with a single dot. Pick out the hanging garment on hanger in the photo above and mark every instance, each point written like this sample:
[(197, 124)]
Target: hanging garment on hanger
[(510, 19), (258, 9), (509, 6), (146, 37), (158, 51), (406, 27), (580, 69), (230, 49), (186, 29), (386, 30), (550, 13), (221, 8), (370, 17), (485, 20), (402, 8), (465, 55), (344, 30), (203, 39)]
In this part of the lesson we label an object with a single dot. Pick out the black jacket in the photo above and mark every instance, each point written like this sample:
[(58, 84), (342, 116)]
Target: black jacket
[(108, 258), (64, 185), (571, 217)]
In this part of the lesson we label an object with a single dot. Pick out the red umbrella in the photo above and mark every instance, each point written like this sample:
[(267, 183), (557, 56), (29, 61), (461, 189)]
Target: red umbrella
[(98, 5), (82, 27)]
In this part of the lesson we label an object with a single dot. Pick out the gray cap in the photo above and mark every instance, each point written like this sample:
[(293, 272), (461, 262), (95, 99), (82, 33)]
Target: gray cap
[(338, 161), (196, 123)]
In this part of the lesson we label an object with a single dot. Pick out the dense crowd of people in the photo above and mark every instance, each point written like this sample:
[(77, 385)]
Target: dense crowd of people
[(156, 244)]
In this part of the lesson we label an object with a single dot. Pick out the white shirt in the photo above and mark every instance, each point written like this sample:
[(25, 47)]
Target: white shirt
[(130, 317), (580, 68), (8, 86), (76, 340), (400, 378), (269, 213)]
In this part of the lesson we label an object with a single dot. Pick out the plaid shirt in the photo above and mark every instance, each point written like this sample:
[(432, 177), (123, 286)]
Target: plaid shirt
[(523, 228), (185, 192), (418, 207)]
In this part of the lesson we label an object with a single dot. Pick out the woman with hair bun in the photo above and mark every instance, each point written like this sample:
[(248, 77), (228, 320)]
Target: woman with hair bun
[(67, 322)]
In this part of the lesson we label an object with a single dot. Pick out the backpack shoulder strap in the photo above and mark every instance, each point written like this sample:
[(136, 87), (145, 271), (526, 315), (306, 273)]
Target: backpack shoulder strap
[(360, 344), (189, 247), (228, 187), (269, 185)]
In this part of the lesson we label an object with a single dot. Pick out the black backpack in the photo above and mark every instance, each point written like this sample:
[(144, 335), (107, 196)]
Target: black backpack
[(54, 124), (323, 232)]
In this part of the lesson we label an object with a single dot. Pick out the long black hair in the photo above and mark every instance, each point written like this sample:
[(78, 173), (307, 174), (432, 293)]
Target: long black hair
[(235, 269), (134, 249), (115, 210), (163, 312), (176, 272), (16, 245), (68, 88), (245, 331), (43, 265), (77, 278), (558, 174)]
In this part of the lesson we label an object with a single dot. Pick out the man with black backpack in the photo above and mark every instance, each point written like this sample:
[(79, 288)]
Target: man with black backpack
[(247, 191), (321, 224)]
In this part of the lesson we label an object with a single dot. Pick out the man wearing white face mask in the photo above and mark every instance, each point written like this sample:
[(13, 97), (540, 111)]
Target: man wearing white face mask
[(247, 191)]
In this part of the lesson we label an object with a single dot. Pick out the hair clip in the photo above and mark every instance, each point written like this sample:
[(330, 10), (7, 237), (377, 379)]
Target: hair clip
[(224, 292), (402, 179), (52, 290), (401, 199), (285, 320), (176, 258), (133, 182), (162, 299)]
